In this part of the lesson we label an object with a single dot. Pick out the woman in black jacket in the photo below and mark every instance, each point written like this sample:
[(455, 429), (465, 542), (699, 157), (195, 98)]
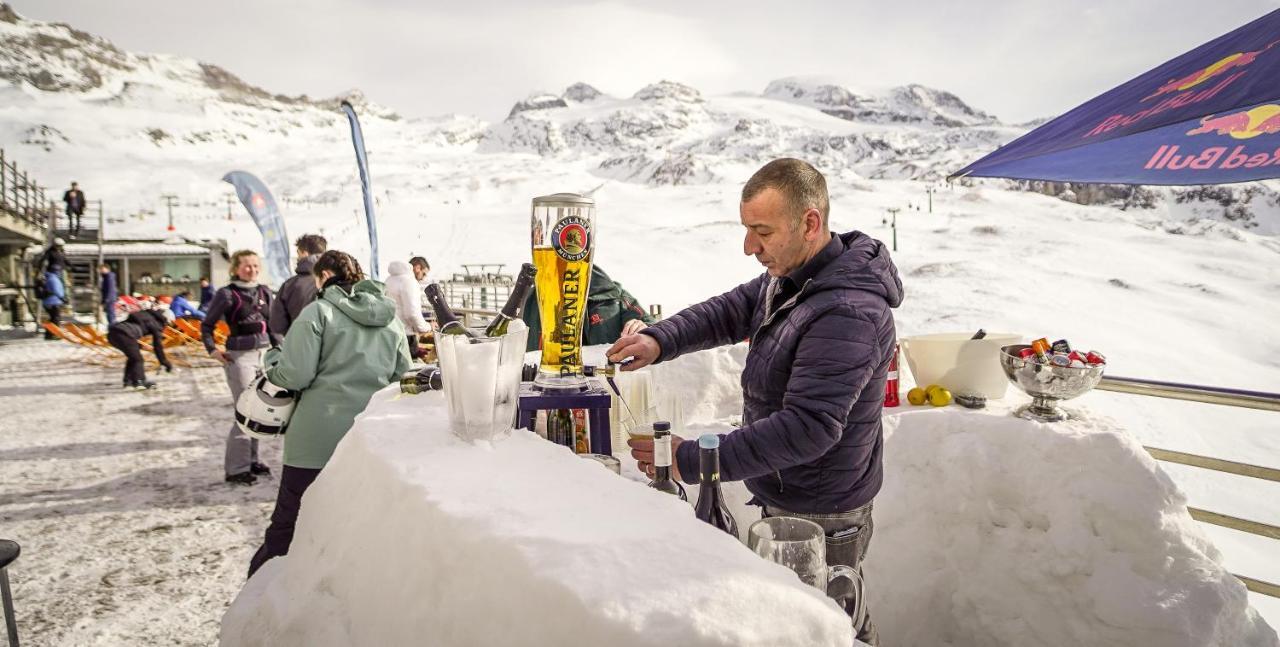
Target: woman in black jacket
[(245, 305), (125, 335)]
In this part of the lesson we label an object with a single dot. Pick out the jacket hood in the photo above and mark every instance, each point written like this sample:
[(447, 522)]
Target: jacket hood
[(399, 268), (602, 287), (366, 304), (864, 265), (306, 263)]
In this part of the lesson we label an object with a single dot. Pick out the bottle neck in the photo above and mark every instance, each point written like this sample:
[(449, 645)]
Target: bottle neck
[(709, 464)]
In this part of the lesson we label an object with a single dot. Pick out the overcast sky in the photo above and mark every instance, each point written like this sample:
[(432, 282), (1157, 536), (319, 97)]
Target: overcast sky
[(1018, 60)]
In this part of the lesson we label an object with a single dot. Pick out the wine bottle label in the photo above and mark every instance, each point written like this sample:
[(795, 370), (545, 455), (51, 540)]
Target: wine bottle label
[(662, 454)]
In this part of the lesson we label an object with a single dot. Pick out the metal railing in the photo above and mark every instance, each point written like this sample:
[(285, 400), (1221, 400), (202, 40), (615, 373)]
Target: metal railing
[(1212, 395), (20, 195)]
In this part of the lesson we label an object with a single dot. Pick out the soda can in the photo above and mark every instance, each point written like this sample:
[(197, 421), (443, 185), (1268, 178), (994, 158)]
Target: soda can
[(1078, 363), (1061, 346), (1060, 359), (1041, 346), (1094, 358), (1026, 353), (1076, 355)]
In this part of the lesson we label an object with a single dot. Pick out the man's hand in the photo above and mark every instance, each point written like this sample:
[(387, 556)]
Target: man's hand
[(642, 451), (642, 349), (221, 355), (633, 326)]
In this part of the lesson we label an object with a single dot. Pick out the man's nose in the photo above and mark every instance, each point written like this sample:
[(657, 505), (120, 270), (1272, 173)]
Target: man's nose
[(751, 244)]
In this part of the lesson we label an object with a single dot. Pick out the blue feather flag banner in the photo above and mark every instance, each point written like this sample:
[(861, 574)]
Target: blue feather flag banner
[(362, 162), (262, 208)]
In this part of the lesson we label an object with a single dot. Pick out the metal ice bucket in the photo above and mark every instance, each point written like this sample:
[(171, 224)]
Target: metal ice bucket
[(1046, 384)]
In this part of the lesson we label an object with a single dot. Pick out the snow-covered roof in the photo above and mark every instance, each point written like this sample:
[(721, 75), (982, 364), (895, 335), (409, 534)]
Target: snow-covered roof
[(135, 249)]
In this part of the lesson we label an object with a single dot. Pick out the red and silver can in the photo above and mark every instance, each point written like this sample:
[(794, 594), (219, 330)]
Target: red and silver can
[(891, 384)]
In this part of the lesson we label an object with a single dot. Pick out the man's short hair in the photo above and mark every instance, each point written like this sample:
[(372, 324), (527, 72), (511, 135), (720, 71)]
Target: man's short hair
[(418, 260), (801, 185), (312, 244)]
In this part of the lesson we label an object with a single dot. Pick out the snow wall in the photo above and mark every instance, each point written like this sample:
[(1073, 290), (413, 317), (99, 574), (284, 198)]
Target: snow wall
[(989, 531)]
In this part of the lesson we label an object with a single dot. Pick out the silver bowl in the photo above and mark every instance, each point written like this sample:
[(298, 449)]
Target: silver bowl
[(1046, 384)]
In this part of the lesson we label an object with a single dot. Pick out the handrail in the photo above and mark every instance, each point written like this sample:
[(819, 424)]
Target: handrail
[(1215, 464), (1235, 523), (1259, 586), (1192, 392)]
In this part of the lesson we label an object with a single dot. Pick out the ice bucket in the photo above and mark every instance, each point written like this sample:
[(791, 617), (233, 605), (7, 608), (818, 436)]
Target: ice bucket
[(482, 381)]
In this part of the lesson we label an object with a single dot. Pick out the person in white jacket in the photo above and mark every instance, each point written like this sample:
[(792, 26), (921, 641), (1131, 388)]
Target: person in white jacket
[(403, 288)]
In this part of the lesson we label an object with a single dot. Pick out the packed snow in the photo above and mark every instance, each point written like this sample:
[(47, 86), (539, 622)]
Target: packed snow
[(413, 535)]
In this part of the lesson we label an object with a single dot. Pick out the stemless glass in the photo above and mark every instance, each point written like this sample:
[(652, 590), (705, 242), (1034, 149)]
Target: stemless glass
[(800, 545)]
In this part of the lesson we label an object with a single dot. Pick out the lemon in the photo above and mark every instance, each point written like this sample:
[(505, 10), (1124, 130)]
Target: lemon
[(940, 397), (928, 390), (916, 396)]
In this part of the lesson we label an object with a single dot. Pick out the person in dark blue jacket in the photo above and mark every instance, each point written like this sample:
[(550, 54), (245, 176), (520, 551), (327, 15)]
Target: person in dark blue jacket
[(181, 307), (206, 293), (822, 335), (110, 292)]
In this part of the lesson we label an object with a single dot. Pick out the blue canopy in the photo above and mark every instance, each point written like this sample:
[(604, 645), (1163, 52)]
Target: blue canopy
[(1210, 116)]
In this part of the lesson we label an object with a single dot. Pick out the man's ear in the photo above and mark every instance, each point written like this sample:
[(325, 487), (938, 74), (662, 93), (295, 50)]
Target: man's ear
[(812, 224)]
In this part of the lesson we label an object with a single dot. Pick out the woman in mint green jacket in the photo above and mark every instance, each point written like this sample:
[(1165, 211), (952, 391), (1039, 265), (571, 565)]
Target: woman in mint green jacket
[(342, 348)]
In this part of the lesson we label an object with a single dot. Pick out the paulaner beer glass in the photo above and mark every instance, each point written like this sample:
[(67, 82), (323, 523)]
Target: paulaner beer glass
[(563, 233)]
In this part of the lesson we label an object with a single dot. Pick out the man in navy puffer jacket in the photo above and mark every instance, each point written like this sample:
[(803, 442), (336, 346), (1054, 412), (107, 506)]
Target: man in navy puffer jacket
[(821, 334)]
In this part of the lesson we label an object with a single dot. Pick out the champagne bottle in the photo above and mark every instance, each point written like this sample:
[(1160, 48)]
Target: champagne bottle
[(425, 379), (510, 311), (662, 480), (711, 506), (447, 321)]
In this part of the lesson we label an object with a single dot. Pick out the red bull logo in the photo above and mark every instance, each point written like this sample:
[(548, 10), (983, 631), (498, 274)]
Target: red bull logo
[(259, 203), (1262, 120), (1222, 66), (1169, 158), (1188, 89)]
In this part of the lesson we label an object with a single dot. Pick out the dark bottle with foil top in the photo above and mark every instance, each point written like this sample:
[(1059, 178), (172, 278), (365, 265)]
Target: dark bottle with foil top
[(662, 480), (712, 507), (446, 321), (515, 302), (428, 378)]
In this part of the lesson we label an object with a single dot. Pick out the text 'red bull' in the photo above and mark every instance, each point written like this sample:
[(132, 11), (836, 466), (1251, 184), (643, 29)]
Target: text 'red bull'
[(1167, 158), (1186, 99)]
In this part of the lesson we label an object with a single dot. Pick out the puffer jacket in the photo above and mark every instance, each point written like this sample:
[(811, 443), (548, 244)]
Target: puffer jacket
[(813, 385), (245, 307), (342, 349), (296, 293), (403, 289)]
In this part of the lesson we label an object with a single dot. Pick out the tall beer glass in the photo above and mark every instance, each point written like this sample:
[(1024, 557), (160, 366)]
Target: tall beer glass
[(563, 233)]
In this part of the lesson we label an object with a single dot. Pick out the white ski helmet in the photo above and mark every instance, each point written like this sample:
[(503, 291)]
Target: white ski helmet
[(263, 410)]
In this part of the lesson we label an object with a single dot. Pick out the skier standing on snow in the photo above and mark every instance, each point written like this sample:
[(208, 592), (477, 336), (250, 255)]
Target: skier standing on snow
[(55, 296), (299, 290), (822, 335), (343, 348), (125, 336), (245, 306), (403, 289)]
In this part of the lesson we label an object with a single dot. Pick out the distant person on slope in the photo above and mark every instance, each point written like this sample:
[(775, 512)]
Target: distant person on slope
[(343, 348), (299, 290), (109, 290), (822, 336), (245, 306), (611, 313), (74, 198), (125, 336), (403, 289)]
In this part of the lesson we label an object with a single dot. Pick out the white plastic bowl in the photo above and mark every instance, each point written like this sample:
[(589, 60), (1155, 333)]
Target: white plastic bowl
[(958, 363)]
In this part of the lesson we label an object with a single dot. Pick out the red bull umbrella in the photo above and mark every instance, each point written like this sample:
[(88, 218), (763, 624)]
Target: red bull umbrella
[(1210, 116)]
